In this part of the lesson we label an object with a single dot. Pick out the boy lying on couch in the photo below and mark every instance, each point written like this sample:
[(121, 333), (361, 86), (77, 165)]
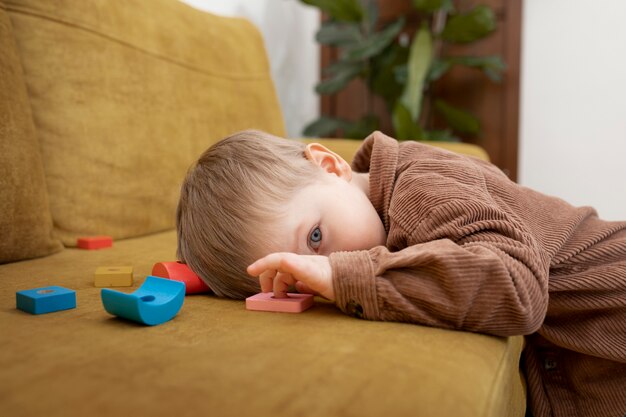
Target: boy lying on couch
[(417, 234)]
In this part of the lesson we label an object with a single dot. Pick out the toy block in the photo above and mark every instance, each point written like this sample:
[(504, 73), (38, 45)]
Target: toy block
[(179, 271), (94, 242), (157, 300), (114, 276), (45, 300), (294, 303)]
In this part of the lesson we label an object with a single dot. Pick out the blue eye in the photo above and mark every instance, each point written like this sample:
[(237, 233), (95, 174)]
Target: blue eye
[(315, 238)]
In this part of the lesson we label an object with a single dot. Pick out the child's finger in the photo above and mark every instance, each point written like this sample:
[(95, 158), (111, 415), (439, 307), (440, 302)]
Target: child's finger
[(277, 261), (266, 280), (267, 262), (254, 269), (282, 281)]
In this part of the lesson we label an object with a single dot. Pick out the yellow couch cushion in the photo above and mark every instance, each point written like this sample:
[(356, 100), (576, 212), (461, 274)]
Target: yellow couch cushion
[(25, 222), (125, 95), (215, 358)]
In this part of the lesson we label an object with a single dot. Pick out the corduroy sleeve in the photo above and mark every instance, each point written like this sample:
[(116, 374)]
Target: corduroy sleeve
[(488, 281), (354, 281)]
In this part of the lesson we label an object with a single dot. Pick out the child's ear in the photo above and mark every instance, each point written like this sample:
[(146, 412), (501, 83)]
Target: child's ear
[(328, 160)]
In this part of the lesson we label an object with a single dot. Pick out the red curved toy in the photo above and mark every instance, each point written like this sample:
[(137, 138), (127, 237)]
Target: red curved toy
[(179, 271)]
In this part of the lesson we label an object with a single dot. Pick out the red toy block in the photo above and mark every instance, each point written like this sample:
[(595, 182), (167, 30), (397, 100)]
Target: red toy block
[(94, 242), (294, 303), (179, 271)]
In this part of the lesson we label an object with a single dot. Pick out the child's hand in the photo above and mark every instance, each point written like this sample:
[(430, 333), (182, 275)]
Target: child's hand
[(310, 273)]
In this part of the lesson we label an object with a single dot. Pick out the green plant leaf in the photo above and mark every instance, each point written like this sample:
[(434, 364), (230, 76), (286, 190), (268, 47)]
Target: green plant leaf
[(430, 6), (440, 136), (458, 119), (420, 57), (341, 10), (468, 27), (371, 13), (342, 66), (404, 126), (342, 72), (375, 43), (339, 34), (361, 128), (324, 127), (493, 66), (328, 126), (383, 80), (401, 74), (437, 69)]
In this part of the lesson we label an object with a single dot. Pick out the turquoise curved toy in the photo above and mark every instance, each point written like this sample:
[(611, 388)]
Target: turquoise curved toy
[(157, 300)]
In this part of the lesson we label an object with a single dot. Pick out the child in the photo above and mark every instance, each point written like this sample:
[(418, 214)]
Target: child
[(417, 234)]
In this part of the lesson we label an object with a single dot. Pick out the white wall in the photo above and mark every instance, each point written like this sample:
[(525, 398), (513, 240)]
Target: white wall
[(288, 28), (573, 102)]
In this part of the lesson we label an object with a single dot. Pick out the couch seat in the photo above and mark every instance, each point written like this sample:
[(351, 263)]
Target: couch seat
[(215, 358)]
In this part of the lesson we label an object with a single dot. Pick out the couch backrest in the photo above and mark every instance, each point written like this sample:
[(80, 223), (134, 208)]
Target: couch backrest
[(25, 222), (125, 95)]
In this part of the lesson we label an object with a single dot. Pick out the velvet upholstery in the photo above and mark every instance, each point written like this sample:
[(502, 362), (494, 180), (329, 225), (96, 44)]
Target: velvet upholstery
[(216, 358), (125, 98), (124, 95), (25, 222)]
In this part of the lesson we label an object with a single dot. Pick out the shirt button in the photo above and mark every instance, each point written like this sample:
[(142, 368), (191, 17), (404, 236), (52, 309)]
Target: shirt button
[(549, 364), (354, 309)]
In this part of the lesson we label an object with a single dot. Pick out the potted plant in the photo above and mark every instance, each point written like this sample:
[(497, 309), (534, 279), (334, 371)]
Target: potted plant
[(401, 71)]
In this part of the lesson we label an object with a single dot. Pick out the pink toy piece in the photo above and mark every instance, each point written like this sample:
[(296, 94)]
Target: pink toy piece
[(294, 303), (179, 271)]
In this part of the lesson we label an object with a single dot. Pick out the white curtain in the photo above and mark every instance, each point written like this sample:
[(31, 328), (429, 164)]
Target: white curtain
[(288, 28)]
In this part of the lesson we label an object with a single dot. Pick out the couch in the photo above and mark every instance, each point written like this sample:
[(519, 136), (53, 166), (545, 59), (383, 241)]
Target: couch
[(103, 106)]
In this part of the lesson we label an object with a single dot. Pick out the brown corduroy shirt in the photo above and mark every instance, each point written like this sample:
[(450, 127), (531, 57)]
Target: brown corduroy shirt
[(469, 249)]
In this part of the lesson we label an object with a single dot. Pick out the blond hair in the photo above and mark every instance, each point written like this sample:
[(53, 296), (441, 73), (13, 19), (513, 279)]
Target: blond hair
[(229, 203)]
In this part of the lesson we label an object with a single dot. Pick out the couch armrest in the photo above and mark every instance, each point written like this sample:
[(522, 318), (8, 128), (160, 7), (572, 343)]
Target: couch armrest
[(348, 147)]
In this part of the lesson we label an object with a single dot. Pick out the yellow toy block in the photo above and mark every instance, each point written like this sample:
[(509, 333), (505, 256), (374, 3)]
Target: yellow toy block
[(114, 276)]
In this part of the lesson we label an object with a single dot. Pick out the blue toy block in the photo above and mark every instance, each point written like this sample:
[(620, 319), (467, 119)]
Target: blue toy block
[(45, 300), (157, 300)]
